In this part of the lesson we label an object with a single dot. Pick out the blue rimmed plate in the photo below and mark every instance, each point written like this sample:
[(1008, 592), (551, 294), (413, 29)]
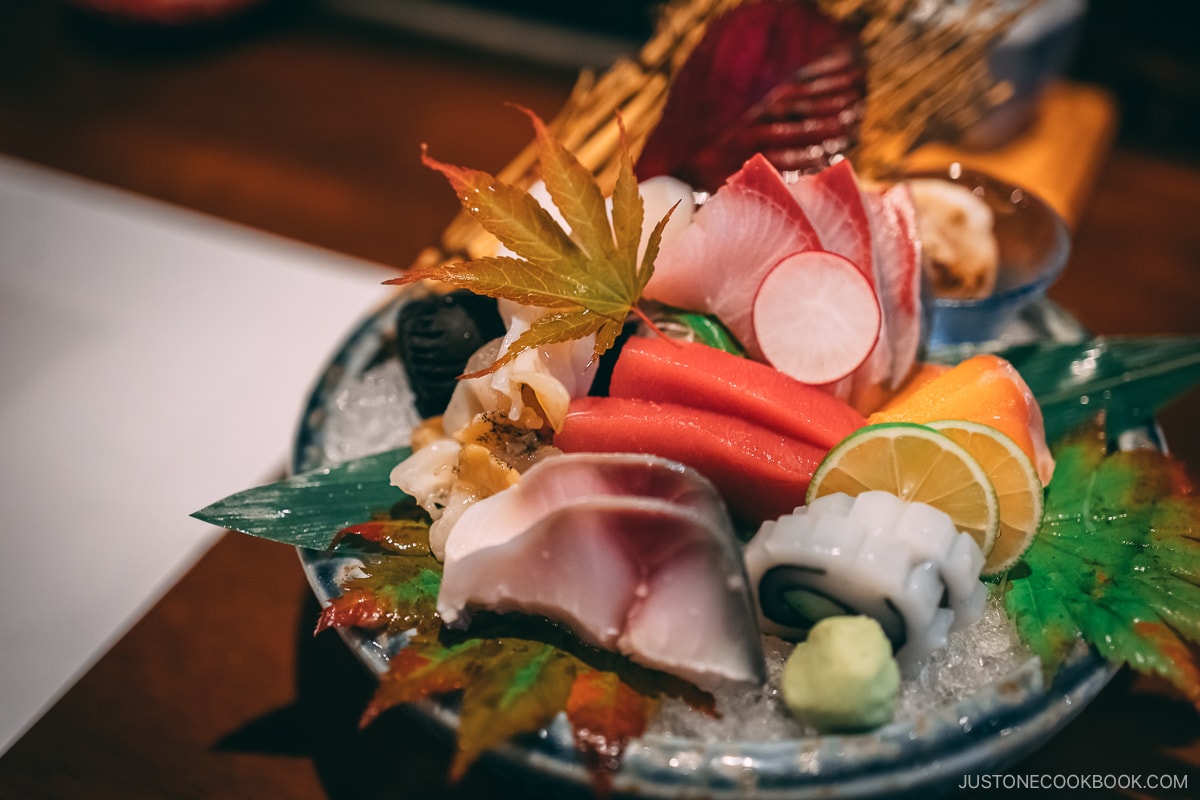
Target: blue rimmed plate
[(927, 752)]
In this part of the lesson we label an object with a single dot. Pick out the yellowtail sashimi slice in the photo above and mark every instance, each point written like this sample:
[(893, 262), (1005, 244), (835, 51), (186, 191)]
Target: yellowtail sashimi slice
[(633, 553)]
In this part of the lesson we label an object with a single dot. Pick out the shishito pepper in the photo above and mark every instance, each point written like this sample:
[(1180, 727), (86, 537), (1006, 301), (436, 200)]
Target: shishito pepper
[(703, 377), (760, 472)]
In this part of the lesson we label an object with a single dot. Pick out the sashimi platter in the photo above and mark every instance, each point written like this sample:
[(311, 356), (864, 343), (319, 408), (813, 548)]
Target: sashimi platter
[(652, 479)]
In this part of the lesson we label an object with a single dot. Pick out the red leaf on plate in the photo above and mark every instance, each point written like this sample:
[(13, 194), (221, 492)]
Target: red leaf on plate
[(605, 714)]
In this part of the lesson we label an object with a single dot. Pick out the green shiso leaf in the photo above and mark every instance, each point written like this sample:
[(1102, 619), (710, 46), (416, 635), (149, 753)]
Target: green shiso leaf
[(309, 509), (1128, 378)]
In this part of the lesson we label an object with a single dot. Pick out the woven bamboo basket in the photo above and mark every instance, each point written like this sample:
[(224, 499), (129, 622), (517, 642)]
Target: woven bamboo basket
[(926, 78)]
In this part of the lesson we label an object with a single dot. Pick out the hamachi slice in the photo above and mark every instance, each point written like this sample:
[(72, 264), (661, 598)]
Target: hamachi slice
[(896, 248), (986, 389), (834, 201), (834, 204), (696, 375), (761, 473), (716, 264), (633, 553)]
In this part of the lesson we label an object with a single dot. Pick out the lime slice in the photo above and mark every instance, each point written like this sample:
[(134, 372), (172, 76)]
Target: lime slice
[(1018, 488), (917, 464)]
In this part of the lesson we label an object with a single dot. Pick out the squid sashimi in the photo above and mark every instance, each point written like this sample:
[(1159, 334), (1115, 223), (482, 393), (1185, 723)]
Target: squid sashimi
[(903, 564), (717, 263), (761, 473), (699, 376), (633, 553)]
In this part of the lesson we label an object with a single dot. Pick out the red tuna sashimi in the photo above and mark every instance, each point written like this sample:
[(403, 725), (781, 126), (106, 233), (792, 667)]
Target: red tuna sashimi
[(897, 249), (716, 264), (696, 375), (761, 473)]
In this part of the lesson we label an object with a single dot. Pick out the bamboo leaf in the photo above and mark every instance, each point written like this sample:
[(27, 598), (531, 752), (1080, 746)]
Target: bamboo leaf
[(309, 509), (1128, 378)]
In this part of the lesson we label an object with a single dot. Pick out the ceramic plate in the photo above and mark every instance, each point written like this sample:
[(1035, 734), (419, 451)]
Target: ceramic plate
[(918, 755)]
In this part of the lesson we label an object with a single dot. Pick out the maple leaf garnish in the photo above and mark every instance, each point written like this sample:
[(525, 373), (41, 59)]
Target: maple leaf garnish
[(1116, 563), (590, 279)]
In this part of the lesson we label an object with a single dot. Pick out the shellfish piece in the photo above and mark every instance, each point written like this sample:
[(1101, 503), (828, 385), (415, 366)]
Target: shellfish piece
[(903, 564), (633, 553)]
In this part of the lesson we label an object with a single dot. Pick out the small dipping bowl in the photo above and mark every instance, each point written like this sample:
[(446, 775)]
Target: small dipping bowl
[(1034, 245)]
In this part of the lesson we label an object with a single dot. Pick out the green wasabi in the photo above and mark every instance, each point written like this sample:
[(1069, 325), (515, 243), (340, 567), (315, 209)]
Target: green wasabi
[(843, 677)]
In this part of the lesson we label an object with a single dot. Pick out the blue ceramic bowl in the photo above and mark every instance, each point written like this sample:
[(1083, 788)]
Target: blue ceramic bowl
[(917, 756), (1034, 246)]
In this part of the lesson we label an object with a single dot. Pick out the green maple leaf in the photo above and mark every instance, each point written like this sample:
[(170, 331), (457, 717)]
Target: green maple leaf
[(590, 279), (1116, 563), (509, 686), (397, 592), (514, 673)]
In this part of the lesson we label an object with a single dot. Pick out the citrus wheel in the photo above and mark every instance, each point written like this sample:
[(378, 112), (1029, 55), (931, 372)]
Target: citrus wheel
[(1015, 479), (918, 464)]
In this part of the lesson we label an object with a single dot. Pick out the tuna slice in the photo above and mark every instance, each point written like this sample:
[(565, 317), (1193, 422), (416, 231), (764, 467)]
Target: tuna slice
[(633, 553), (716, 264)]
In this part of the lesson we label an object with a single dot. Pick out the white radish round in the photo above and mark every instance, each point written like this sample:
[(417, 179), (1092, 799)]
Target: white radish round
[(816, 317)]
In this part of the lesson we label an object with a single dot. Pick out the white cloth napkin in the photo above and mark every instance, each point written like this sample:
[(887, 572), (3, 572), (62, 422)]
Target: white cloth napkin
[(154, 360)]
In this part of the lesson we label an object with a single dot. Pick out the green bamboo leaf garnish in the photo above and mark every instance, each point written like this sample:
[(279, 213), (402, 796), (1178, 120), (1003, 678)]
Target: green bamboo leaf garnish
[(1116, 563), (1128, 378), (590, 279), (309, 509)]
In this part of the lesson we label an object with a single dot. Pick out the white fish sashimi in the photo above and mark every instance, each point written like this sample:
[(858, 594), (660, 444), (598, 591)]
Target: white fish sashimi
[(635, 554)]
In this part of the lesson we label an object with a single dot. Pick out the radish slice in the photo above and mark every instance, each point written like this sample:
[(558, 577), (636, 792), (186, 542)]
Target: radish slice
[(816, 317)]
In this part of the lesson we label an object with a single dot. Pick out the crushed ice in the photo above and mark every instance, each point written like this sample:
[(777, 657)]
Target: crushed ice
[(974, 658), (370, 413)]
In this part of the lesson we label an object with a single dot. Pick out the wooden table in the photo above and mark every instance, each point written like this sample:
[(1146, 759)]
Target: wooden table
[(310, 128)]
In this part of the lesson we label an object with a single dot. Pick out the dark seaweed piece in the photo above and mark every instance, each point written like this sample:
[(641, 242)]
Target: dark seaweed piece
[(436, 335)]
